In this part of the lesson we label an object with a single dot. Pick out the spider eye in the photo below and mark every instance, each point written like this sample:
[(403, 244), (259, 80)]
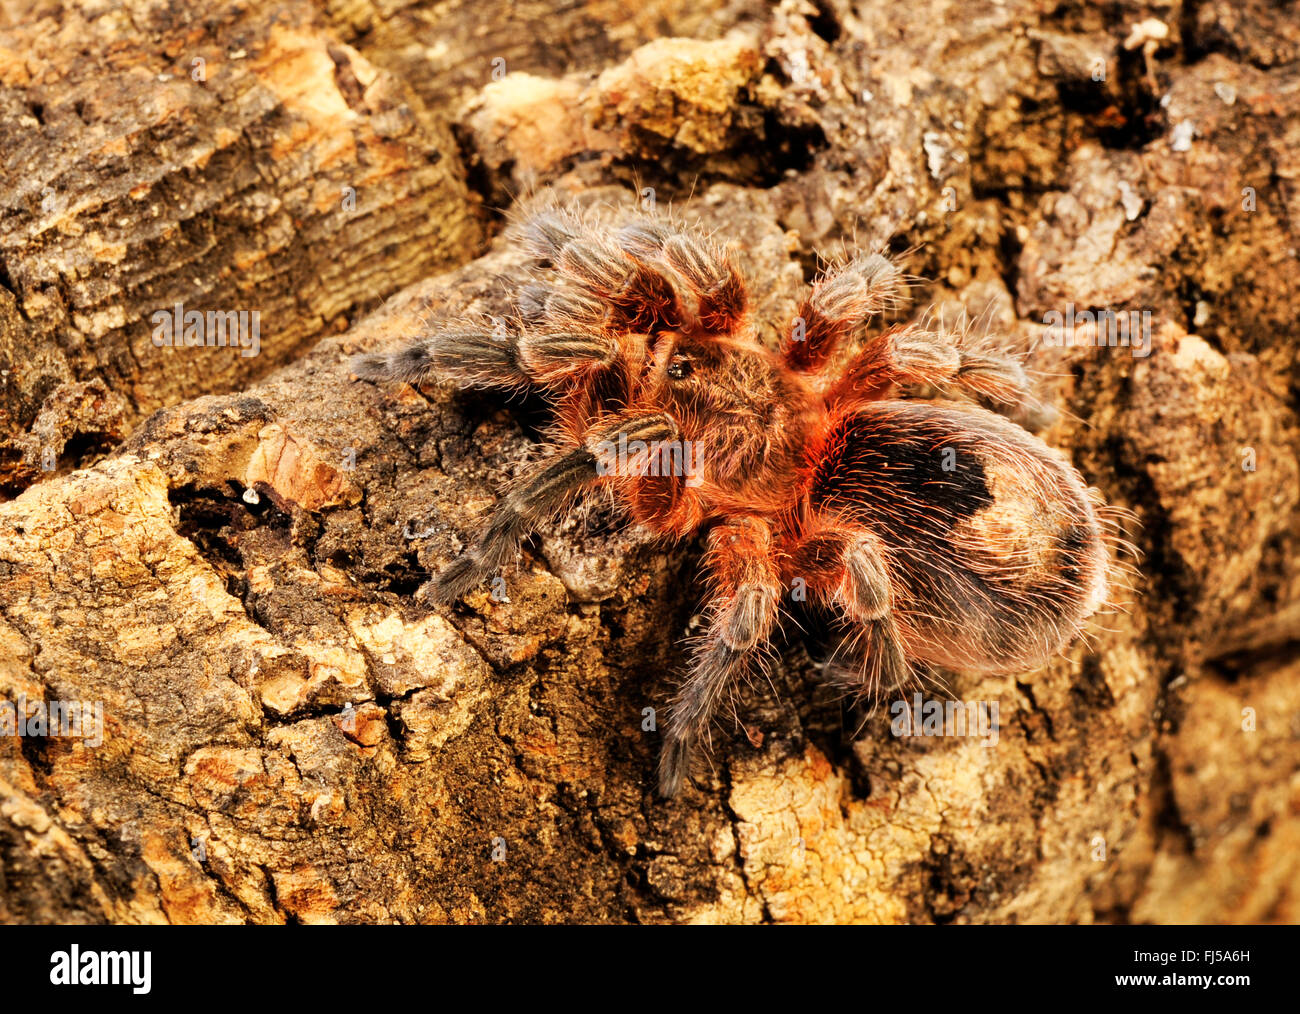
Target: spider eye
[(680, 369)]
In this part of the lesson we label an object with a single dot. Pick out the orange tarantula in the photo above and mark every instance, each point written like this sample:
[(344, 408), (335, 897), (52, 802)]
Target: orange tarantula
[(939, 533)]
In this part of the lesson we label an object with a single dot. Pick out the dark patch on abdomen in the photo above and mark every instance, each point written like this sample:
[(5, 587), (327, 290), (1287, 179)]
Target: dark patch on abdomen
[(889, 473)]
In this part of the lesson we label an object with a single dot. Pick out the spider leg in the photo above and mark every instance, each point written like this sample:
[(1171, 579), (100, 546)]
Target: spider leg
[(711, 275), (848, 571), (838, 305), (746, 589), (552, 356), (940, 359), (639, 293), (485, 356), (494, 356), (542, 305), (550, 488)]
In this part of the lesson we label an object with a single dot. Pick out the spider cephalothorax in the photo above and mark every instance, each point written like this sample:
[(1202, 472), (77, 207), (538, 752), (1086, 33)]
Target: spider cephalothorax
[(938, 533)]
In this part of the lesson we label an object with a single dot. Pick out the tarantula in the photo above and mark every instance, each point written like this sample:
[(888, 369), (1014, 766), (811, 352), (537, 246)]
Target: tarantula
[(937, 533)]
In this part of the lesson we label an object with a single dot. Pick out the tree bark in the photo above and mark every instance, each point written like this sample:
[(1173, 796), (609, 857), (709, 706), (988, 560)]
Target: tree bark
[(289, 735), (239, 159)]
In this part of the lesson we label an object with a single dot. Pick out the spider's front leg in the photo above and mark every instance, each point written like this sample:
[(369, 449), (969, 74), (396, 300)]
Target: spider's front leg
[(712, 279), (745, 588), (551, 487), (649, 274), (491, 355), (840, 303)]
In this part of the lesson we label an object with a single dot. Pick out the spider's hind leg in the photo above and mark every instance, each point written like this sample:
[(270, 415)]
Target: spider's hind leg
[(747, 589), (849, 573)]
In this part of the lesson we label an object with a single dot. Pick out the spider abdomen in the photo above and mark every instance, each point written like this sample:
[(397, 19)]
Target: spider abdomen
[(992, 545)]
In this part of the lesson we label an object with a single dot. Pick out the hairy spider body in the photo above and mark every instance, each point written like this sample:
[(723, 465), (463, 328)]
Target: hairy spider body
[(937, 533)]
